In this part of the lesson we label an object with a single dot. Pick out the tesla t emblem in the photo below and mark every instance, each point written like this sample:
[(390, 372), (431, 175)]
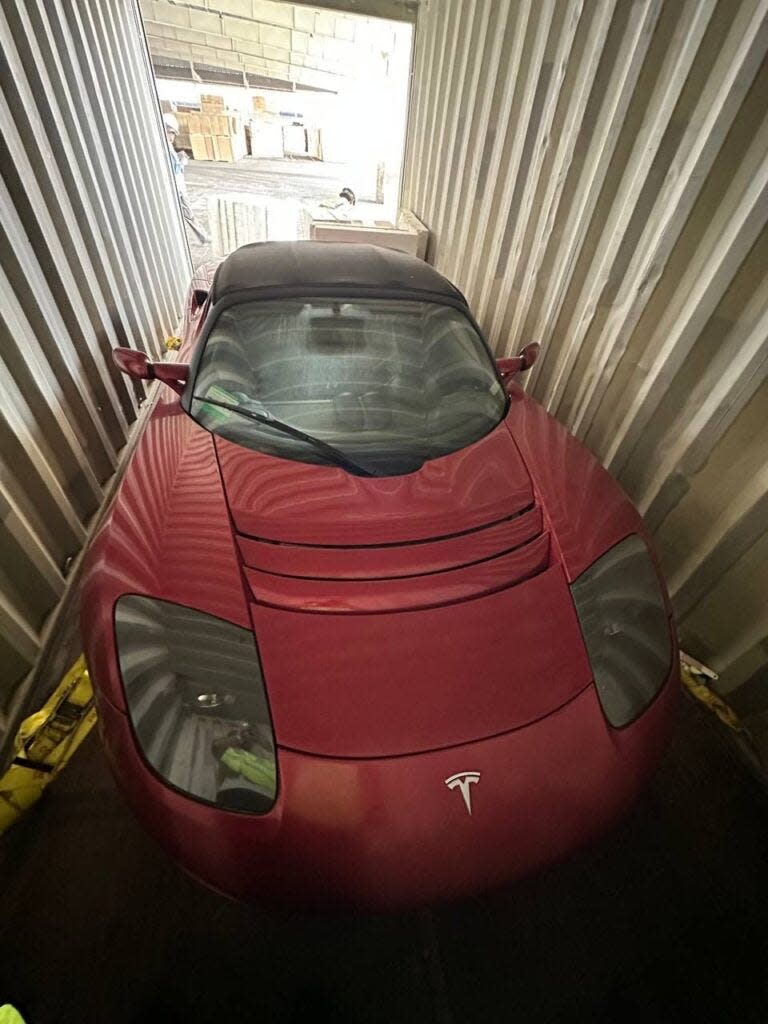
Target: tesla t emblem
[(463, 780)]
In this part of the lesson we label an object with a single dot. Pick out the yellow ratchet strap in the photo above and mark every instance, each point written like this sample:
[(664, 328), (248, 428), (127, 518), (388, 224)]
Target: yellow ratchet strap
[(695, 680), (10, 1015), (46, 741)]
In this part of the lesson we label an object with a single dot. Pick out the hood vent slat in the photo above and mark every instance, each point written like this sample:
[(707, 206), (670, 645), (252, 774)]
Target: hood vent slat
[(392, 560), (407, 593)]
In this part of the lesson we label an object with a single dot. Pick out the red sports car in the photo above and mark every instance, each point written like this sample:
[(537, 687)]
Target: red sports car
[(366, 625)]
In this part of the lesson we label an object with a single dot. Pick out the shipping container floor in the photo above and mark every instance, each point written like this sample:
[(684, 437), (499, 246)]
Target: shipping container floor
[(664, 920)]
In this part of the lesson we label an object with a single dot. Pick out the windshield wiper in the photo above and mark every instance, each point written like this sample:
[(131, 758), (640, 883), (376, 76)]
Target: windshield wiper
[(285, 428)]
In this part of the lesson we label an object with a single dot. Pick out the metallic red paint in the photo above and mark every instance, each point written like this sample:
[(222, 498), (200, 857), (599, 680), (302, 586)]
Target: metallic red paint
[(394, 683), (300, 503), (388, 833), (131, 361), (387, 561), (167, 534), (428, 590), (584, 507), (508, 367), (194, 312), (487, 664), (173, 374), (136, 364)]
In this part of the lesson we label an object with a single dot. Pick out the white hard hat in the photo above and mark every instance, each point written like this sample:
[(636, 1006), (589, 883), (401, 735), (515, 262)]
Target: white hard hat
[(171, 123)]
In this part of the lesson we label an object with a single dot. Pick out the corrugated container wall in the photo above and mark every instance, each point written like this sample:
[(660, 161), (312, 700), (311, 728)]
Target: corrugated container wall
[(92, 255), (594, 175)]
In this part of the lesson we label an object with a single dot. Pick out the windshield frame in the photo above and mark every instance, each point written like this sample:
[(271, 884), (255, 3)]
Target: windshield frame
[(346, 293)]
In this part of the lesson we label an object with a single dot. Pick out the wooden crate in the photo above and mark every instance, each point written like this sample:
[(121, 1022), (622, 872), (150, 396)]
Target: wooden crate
[(199, 151), (192, 123), (211, 104)]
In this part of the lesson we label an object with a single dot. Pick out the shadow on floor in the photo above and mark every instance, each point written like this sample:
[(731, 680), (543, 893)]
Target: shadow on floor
[(664, 920)]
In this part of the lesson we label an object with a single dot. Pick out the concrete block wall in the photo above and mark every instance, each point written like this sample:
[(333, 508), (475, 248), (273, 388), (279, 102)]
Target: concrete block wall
[(312, 47)]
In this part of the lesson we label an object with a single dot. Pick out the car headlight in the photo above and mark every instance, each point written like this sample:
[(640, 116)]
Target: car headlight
[(197, 703), (624, 621)]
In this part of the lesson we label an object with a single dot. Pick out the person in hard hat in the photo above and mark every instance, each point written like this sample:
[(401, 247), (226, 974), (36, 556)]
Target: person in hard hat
[(178, 161), (340, 202)]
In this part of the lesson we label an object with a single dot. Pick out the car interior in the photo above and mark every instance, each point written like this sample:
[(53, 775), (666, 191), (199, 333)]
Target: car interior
[(368, 376)]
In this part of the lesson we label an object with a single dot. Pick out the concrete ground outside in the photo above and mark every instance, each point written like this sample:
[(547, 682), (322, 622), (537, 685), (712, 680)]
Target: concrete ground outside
[(309, 180)]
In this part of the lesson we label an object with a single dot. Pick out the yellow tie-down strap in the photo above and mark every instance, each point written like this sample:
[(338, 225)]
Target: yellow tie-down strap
[(697, 679), (46, 741), (9, 1015)]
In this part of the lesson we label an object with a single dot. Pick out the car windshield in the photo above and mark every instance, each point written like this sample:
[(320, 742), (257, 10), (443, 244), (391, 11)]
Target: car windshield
[(384, 384)]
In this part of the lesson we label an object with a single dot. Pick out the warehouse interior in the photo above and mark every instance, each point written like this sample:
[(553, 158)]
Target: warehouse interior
[(593, 177), (297, 104)]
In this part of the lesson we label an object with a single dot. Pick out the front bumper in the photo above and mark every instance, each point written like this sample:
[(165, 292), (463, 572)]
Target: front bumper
[(387, 832)]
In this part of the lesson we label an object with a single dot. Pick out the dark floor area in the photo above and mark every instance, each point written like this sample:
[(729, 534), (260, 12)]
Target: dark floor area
[(664, 920)]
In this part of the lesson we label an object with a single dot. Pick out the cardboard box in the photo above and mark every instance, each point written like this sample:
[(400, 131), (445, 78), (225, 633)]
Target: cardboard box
[(224, 149), (211, 104), (407, 235)]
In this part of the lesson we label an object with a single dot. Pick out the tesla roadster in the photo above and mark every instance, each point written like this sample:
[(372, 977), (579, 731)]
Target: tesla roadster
[(366, 625)]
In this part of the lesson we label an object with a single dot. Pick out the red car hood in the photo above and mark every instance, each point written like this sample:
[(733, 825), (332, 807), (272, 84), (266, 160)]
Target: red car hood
[(403, 614), (293, 502), (375, 680)]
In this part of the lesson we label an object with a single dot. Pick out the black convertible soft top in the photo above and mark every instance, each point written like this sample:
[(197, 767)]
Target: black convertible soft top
[(273, 269)]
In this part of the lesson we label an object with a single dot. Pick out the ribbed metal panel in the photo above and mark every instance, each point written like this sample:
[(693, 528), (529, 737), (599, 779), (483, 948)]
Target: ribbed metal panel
[(595, 178), (92, 255)]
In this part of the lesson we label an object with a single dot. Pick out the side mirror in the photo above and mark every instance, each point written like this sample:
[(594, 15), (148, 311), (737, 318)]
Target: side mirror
[(132, 362), (199, 295), (136, 365), (524, 360)]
